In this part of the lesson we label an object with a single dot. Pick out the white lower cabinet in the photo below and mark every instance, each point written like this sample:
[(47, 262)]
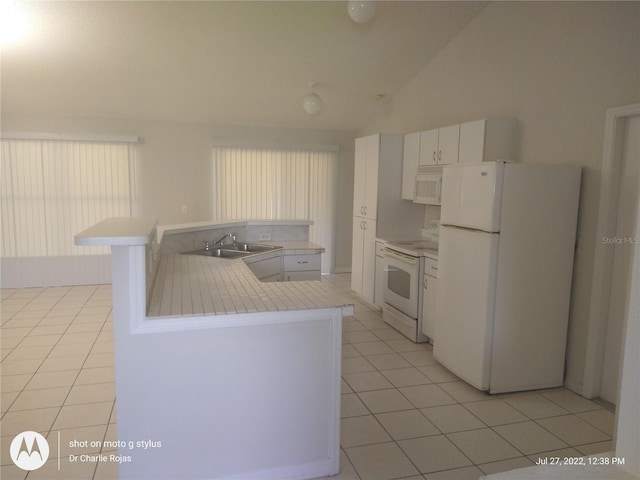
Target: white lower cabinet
[(302, 267), (287, 268), (267, 270), (299, 276), (363, 258), (430, 286)]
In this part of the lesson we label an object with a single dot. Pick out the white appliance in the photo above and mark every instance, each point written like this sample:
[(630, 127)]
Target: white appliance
[(428, 188), (507, 242), (403, 285)]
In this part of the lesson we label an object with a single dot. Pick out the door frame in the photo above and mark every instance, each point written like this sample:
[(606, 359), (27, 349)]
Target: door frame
[(615, 119)]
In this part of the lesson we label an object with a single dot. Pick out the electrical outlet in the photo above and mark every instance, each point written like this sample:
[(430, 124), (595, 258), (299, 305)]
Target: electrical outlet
[(265, 236)]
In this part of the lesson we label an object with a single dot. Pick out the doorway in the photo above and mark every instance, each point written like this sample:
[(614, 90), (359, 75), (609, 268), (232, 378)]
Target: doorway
[(622, 245), (614, 250)]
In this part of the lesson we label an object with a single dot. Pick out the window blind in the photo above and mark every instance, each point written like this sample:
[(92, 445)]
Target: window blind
[(52, 190), (278, 184)]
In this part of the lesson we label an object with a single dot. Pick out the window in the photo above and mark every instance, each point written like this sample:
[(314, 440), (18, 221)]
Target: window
[(53, 189), (278, 184)]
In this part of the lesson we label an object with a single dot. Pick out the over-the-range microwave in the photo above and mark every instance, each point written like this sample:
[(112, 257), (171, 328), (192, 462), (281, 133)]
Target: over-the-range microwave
[(428, 187)]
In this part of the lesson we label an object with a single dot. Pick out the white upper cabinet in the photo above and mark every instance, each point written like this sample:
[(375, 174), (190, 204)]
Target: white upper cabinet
[(487, 140), (410, 160), (428, 147), (439, 146), (448, 141)]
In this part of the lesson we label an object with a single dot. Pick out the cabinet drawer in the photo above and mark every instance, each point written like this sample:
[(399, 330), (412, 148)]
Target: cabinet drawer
[(296, 263), (431, 267)]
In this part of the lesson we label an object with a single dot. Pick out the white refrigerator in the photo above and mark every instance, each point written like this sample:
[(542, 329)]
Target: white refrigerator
[(507, 241)]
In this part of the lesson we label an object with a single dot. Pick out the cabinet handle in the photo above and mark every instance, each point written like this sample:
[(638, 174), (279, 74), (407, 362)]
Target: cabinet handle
[(365, 209), (434, 268), (439, 155), (434, 156), (303, 261), (362, 210), (365, 225), (425, 282)]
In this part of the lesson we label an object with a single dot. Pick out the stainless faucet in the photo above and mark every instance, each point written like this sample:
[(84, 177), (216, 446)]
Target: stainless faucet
[(231, 235)]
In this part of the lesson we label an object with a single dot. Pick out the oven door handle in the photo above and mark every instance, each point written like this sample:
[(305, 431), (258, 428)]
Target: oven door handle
[(400, 256)]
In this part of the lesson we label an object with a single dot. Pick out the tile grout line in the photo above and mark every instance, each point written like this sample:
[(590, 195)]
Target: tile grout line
[(28, 333), (462, 404)]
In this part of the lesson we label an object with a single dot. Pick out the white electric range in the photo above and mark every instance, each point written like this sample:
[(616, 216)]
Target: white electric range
[(406, 266)]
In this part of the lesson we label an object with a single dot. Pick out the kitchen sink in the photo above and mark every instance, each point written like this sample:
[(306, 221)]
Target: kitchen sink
[(218, 252), (251, 247), (233, 251)]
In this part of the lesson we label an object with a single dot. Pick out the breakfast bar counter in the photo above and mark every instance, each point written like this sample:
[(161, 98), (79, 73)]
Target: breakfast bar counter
[(232, 377), (192, 285)]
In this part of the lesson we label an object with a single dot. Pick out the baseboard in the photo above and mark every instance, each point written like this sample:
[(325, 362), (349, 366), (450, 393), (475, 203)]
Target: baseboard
[(26, 272)]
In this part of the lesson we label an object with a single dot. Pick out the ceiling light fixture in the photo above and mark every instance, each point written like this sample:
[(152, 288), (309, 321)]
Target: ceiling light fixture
[(14, 23), (312, 103), (361, 11)]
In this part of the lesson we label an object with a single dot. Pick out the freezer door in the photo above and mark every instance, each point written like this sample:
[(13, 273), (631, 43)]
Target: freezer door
[(472, 195), (467, 266)]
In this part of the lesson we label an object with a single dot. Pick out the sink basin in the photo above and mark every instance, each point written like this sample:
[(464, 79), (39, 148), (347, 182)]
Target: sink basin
[(250, 247), (218, 252)]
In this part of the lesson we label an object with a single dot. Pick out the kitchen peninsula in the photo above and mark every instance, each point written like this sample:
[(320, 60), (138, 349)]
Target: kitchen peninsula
[(246, 388)]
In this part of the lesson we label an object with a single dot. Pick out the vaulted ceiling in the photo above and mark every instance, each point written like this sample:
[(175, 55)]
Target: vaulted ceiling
[(234, 62)]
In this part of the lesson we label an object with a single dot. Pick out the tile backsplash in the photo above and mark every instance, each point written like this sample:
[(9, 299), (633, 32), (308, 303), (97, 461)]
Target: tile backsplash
[(187, 241)]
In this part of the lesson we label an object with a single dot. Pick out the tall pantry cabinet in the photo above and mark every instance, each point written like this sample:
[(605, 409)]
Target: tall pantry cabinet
[(378, 210)]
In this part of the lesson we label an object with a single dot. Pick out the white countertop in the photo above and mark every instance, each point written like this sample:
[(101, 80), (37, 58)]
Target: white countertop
[(195, 285), (191, 285), (119, 231)]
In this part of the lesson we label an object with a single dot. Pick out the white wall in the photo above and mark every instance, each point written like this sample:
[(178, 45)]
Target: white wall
[(554, 66), (174, 164)]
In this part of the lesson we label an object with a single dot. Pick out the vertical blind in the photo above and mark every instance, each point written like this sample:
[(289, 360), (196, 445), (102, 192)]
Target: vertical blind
[(53, 189), (278, 184)]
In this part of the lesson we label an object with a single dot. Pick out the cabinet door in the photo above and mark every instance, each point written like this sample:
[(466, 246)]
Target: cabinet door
[(448, 144), (295, 263), (410, 160), (368, 260), (371, 185), (359, 176), (266, 268), (357, 255), (472, 138), (302, 276), (428, 147), (429, 305)]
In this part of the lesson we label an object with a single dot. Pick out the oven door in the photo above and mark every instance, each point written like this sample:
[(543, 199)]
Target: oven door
[(401, 282)]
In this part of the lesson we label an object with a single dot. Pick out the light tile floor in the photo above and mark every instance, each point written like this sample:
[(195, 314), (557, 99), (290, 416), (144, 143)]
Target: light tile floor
[(403, 414)]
